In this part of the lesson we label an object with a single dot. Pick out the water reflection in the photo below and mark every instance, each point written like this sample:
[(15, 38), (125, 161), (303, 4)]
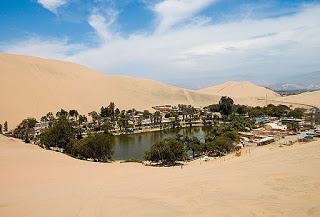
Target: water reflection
[(133, 146)]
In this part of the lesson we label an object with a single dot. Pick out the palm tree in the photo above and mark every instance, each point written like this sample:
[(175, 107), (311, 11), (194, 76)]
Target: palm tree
[(95, 118), (82, 119), (191, 144), (157, 117), (5, 126), (74, 114), (112, 110), (62, 113)]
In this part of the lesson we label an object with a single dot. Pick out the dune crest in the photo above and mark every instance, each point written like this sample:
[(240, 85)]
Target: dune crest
[(310, 98), (32, 86), (239, 89)]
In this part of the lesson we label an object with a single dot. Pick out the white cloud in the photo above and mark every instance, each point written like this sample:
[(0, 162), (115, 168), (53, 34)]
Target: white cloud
[(51, 48), (102, 24), (173, 12), (260, 49), (52, 5)]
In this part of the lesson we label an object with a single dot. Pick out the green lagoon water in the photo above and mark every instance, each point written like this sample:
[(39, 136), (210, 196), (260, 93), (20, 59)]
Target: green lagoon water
[(133, 146)]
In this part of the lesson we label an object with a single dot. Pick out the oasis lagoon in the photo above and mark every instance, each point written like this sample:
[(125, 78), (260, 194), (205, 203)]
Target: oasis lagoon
[(133, 146)]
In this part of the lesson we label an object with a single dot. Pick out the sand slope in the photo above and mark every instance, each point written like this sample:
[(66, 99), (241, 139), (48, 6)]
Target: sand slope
[(272, 181), (310, 98), (239, 89), (32, 86)]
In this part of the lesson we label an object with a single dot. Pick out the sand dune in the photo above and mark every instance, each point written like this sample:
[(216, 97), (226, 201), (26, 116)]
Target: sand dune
[(32, 86), (239, 89), (271, 181), (310, 98)]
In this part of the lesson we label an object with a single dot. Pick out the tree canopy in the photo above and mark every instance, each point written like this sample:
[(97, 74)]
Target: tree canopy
[(24, 129), (166, 152), (60, 134), (226, 106), (96, 146)]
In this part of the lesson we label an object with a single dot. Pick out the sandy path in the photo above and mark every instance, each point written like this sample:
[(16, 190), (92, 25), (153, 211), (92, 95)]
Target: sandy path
[(272, 181)]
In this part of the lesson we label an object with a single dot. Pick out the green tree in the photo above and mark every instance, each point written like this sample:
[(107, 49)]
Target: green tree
[(25, 129), (192, 144), (241, 123), (44, 119), (74, 114), (116, 112), (82, 119), (297, 113), (220, 140), (62, 113), (220, 146), (123, 121), (0, 128), (215, 131), (60, 134), (241, 109), (111, 108), (98, 147), (5, 126), (166, 152), (157, 117), (107, 126), (146, 114), (226, 106), (95, 119)]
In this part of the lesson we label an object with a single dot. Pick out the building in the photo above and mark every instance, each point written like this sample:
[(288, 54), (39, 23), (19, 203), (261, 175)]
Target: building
[(39, 127), (163, 108), (290, 120), (275, 127), (264, 141)]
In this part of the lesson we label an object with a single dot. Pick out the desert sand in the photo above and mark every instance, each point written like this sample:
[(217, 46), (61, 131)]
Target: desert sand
[(33, 86), (239, 89), (271, 181), (309, 98)]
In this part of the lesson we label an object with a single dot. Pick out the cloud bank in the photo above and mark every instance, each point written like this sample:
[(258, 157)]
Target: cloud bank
[(192, 52)]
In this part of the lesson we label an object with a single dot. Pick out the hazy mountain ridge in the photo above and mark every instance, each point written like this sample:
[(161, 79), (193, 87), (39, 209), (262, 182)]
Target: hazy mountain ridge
[(307, 81)]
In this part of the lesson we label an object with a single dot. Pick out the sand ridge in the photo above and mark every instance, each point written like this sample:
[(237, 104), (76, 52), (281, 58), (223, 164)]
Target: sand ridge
[(33, 86), (239, 89)]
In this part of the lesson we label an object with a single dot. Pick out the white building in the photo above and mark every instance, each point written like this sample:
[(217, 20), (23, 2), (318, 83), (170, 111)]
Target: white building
[(39, 127)]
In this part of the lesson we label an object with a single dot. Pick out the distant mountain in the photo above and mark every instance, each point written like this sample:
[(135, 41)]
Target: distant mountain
[(307, 81)]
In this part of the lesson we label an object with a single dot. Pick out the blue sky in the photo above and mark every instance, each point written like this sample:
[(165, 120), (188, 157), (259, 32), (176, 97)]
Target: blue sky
[(191, 43)]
